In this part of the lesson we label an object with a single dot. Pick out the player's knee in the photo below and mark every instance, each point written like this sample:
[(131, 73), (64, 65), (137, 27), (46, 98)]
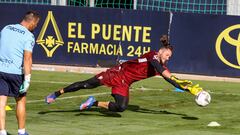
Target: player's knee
[(122, 108), (116, 107)]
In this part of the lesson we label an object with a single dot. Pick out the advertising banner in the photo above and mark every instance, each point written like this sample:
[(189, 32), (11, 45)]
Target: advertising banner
[(206, 44), (90, 36)]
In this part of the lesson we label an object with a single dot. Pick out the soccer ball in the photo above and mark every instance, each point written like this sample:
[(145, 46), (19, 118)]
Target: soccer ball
[(203, 98)]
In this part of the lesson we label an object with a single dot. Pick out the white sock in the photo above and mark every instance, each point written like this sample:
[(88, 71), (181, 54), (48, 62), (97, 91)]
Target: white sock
[(21, 131), (3, 132)]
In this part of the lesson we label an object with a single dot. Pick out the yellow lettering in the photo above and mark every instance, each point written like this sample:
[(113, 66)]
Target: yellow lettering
[(146, 34), (80, 35), (76, 48), (106, 32), (70, 46), (138, 51), (110, 49), (95, 30), (84, 48), (119, 51), (102, 49), (115, 49), (71, 29), (126, 33), (137, 29), (116, 32), (131, 51), (146, 49), (93, 48)]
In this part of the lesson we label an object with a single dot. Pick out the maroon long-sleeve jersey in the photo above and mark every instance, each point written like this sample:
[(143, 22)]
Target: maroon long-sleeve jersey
[(122, 76)]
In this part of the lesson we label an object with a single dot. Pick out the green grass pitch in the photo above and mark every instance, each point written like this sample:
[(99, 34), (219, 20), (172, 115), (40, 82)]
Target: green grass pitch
[(156, 110)]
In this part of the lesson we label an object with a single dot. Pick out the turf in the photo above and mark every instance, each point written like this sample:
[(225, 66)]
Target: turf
[(154, 109)]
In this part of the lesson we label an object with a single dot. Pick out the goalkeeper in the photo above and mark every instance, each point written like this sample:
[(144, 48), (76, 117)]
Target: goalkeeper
[(120, 77)]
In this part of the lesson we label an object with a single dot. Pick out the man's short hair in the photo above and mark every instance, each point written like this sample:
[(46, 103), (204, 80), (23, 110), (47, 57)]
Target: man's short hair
[(30, 15)]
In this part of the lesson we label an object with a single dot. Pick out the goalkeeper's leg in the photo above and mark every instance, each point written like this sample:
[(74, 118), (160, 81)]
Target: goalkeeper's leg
[(87, 84), (120, 104)]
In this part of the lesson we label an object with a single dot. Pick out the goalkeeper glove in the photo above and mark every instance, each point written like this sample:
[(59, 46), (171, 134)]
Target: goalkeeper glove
[(26, 83), (182, 83), (195, 89)]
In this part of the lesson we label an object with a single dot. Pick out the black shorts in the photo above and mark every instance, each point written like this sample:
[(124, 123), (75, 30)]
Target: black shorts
[(10, 84)]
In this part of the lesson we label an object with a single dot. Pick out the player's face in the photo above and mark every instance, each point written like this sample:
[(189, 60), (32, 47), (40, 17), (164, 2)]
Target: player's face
[(33, 24), (164, 55)]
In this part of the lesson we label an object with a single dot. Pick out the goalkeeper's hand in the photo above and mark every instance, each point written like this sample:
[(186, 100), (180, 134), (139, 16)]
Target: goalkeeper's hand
[(26, 83), (194, 89), (182, 83)]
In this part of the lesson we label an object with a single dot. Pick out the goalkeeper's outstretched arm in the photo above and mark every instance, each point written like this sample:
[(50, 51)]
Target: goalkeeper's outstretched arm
[(179, 83), (182, 84)]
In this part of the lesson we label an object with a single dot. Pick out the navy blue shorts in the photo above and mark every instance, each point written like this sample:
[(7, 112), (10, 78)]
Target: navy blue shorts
[(10, 84)]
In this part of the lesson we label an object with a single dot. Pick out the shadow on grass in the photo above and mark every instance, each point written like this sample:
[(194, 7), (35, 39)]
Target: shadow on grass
[(136, 108), (106, 113), (103, 112), (57, 111)]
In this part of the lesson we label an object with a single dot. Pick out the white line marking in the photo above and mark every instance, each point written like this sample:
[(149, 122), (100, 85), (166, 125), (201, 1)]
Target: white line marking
[(53, 82), (87, 95), (105, 93), (141, 88), (63, 98)]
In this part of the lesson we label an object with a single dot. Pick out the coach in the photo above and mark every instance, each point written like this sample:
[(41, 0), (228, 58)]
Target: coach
[(16, 45)]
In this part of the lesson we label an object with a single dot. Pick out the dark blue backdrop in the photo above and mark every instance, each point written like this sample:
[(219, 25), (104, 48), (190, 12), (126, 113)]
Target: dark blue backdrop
[(194, 38), (192, 35)]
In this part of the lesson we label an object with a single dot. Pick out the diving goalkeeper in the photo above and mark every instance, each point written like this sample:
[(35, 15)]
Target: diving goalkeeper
[(120, 77)]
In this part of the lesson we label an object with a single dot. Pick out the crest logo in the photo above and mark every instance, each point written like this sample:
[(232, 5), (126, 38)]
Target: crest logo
[(50, 42), (231, 41)]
